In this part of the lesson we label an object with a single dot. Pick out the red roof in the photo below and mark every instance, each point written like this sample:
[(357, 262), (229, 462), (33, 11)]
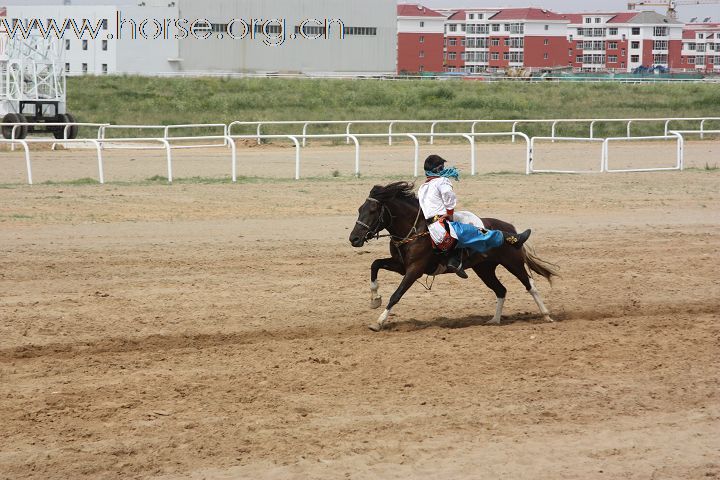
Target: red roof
[(527, 14), (623, 17), (459, 15), (577, 18), (415, 10)]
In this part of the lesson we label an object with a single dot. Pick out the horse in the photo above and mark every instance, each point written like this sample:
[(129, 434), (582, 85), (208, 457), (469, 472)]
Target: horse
[(396, 209)]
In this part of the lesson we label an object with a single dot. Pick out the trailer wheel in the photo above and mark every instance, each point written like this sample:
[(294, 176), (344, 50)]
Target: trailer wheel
[(20, 132), (59, 131), (74, 130)]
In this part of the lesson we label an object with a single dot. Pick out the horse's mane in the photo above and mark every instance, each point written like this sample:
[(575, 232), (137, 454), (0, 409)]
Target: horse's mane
[(400, 190)]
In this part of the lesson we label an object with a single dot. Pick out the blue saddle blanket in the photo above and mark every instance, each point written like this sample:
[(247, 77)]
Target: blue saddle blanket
[(469, 236)]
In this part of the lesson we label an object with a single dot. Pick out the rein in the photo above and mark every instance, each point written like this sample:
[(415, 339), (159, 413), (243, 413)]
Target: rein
[(395, 240)]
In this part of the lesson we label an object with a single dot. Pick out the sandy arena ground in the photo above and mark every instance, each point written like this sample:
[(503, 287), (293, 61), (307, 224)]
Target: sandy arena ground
[(219, 331)]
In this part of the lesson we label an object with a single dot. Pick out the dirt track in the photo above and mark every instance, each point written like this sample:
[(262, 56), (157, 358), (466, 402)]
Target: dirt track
[(219, 331)]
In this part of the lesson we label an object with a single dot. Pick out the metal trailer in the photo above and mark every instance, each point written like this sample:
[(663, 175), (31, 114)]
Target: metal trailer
[(32, 88)]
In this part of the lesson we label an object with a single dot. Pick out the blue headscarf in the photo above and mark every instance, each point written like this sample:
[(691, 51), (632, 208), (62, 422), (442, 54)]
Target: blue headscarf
[(451, 172)]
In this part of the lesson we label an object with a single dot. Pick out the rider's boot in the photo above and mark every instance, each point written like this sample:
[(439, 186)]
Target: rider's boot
[(516, 239), (454, 264)]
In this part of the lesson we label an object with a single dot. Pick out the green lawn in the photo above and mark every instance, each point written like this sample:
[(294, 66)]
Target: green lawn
[(140, 100)]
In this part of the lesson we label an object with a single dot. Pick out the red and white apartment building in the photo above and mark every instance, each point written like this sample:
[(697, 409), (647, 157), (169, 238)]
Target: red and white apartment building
[(485, 39), (701, 47), (421, 35)]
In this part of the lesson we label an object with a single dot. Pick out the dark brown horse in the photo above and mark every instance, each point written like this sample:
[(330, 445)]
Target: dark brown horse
[(395, 208)]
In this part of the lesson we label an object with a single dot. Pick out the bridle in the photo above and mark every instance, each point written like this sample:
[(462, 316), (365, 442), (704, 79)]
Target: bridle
[(375, 231)]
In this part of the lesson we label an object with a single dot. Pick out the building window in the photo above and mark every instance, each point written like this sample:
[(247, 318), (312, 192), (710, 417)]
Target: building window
[(67, 44), (104, 45), (507, 42), (506, 56), (547, 27), (622, 65), (453, 42), (546, 42), (481, 16), (661, 31), (613, 59), (612, 45), (588, 20), (635, 58), (634, 45), (104, 68), (104, 24), (545, 56), (613, 31), (597, 20), (422, 68), (472, 16), (660, 45), (84, 68), (636, 31), (453, 27), (495, 27), (452, 56), (495, 42), (67, 68), (422, 24), (570, 53), (495, 56), (84, 44), (579, 59), (422, 54)]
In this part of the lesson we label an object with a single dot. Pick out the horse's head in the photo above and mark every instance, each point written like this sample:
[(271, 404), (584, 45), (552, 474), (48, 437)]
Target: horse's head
[(373, 217)]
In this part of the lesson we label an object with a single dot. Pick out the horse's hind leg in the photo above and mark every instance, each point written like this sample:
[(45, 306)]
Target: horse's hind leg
[(390, 264), (516, 266), (486, 272)]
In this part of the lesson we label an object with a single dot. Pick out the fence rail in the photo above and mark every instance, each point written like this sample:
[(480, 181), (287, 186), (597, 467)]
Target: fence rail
[(228, 138)]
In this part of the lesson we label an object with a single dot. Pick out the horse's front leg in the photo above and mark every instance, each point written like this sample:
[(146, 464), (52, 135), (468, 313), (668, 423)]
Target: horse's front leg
[(391, 264), (411, 276)]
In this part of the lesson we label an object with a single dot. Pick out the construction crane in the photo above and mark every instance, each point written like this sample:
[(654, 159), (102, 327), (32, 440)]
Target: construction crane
[(671, 5)]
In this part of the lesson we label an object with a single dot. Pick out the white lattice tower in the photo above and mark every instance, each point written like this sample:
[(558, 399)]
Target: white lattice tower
[(30, 70)]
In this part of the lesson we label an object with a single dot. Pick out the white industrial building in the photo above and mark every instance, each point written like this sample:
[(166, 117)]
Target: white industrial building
[(220, 36)]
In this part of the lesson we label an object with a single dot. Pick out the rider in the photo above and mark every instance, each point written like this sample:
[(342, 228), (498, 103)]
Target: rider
[(438, 201)]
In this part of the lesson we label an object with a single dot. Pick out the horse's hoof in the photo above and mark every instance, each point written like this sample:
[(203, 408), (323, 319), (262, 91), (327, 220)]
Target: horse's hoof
[(549, 319), (493, 321), (375, 327), (376, 303)]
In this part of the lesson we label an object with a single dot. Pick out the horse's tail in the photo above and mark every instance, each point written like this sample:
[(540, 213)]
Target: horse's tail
[(538, 265)]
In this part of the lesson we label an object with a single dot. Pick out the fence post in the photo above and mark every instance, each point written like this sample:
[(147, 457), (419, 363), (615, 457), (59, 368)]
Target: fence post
[(390, 133), (357, 155), (667, 125), (629, 124), (347, 131), (592, 129), (101, 170), (473, 169), (28, 164), (297, 156), (432, 133), (233, 153), (554, 126), (259, 140), (304, 132), (417, 153), (702, 129), (168, 152), (514, 131)]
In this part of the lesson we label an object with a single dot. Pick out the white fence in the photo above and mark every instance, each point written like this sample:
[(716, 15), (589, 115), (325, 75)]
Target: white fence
[(227, 139)]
